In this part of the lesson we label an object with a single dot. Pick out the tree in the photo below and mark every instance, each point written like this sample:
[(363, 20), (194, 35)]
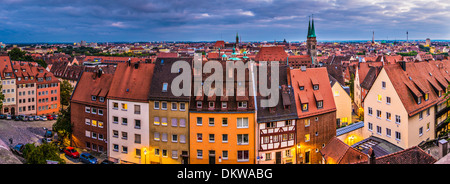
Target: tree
[(2, 97), (40, 154), (16, 54), (63, 125), (66, 90), (41, 63)]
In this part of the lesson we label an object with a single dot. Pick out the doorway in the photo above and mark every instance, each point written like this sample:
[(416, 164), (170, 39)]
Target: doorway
[(278, 157), (212, 157)]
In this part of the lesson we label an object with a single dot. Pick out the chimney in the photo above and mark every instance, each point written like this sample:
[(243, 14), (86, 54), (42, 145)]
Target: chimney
[(99, 72), (443, 147), (372, 158), (403, 65), (136, 65)]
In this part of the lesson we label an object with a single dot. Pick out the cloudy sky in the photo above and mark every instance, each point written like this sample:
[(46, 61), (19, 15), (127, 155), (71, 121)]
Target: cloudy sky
[(210, 20)]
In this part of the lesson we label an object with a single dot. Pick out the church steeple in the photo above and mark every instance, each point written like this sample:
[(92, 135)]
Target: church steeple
[(311, 29)]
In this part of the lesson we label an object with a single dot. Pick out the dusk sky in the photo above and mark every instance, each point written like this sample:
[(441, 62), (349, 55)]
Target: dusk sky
[(210, 20)]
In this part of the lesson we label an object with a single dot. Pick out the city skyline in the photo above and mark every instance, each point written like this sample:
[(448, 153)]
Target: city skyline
[(267, 20)]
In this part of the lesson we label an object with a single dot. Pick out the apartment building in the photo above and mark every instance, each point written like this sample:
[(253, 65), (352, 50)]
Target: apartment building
[(405, 104), (222, 128), (89, 114), (9, 88), (47, 90), (169, 117), (343, 103), (128, 122), (26, 88), (276, 126), (316, 112)]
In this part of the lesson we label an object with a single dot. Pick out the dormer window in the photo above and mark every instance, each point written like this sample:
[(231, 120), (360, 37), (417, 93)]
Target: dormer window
[(426, 96), (419, 100), (211, 104), (164, 89), (316, 87), (224, 105), (101, 99), (319, 104), (440, 93), (199, 104), (302, 87), (304, 107), (242, 104), (93, 98), (18, 78)]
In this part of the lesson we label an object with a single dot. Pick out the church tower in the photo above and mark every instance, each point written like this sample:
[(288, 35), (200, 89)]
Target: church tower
[(311, 42)]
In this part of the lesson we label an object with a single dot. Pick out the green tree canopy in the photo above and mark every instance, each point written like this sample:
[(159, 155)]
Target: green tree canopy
[(40, 154)]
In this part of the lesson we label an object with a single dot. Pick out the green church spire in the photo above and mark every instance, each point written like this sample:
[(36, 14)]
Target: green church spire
[(309, 27), (311, 30)]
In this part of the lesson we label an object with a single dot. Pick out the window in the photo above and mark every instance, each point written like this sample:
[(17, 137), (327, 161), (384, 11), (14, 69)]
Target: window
[(397, 119), (199, 137), (383, 84), (211, 137), (182, 139), (156, 136), (378, 130), (242, 139), (164, 88), (124, 135), (124, 121), (211, 105), (316, 87), (94, 110), (115, 119), (156, 151), (174, 106), (370, 126), (307, 122), (164, 121), (379, 98), (100, 124), (307, 138), (100, 112), (88, 133), (94, 122), (87, 121), (224, 138), (370, 111), (388, 100), (211, 122), (428, 111), (224, 105), (137, 138), (93, 98), (242, 104), (420, 115), (426, 96), (156, 120), (174, 138), (200, 154), (388, 132), (137, 124), (420, 131), (164, 137), (225, 155), (419, 100), (164, 153), (428, 126), (164, 105), (319, 104), (242, 155), (101, 99), (378, 114), (156, 105), (182, 122), (87, 109), (137, 109), (115, 133), (138, 152), (199, 121), (174, 122), (115, 147), (182, 106), (388, 116), (124, 106), (242, 122), (398, 136), (174, 154), (304, 107), (268, 156), (199, 104), (224, 121)]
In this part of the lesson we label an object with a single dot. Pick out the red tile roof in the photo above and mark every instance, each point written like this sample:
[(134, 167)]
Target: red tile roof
[(131, 84), (337, 152), (90, 84), (275, 53), (308, 94)]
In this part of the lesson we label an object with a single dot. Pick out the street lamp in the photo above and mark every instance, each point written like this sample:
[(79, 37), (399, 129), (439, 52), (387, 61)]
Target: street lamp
[(145, 156), (297, 152)]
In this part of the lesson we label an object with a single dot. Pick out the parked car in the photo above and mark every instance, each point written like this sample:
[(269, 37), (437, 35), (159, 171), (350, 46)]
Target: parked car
[(71, 152), (22, 117), (55, 116), (106, 161), (2, 116), (18, 149), (48, 133), (8, 116), (43, 118), (49, 117), (87, 158), (47, 140), (30, 118), (37, 118), (17, 118)]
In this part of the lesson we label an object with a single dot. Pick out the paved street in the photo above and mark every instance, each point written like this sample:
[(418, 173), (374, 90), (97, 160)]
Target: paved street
[(21, 132)]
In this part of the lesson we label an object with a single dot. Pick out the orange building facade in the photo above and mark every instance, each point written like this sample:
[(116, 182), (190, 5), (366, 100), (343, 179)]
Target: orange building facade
[(222, 138)]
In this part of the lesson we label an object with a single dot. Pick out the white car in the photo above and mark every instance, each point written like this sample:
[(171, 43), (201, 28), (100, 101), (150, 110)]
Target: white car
[(44, 118)]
